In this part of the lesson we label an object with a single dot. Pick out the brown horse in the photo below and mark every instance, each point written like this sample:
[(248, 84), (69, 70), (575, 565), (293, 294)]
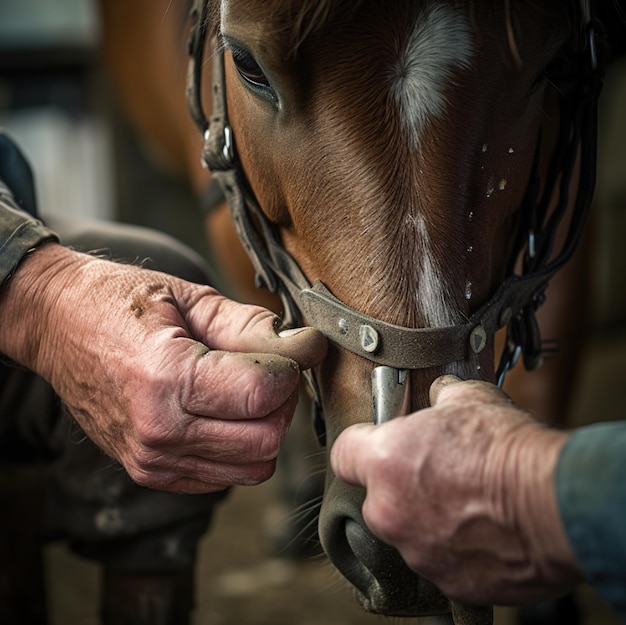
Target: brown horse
[(386, 164)]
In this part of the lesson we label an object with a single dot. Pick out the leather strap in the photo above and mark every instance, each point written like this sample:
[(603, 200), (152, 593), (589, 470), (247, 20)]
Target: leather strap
[(413, 348)]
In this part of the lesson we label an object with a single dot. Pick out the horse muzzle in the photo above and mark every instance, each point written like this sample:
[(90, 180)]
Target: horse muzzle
[(384, 583)]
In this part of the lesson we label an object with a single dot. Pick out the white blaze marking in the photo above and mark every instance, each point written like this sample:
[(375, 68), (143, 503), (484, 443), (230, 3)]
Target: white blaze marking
[(439, 43)]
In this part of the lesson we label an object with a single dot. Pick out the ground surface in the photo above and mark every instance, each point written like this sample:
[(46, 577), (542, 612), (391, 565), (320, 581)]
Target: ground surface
[(241, 580)]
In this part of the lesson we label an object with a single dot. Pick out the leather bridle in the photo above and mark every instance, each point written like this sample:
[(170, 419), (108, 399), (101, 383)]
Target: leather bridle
[(578, 75)]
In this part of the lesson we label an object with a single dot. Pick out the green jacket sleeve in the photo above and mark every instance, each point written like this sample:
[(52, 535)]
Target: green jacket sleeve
[(591, 494), (19, 233)]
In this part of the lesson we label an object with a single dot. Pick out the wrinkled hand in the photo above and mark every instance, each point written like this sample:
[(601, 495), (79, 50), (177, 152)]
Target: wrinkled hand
[(465, 491), (190, 391)]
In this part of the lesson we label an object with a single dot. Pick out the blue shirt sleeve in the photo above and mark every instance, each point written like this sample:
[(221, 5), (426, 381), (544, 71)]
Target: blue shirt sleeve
[(591, 495)]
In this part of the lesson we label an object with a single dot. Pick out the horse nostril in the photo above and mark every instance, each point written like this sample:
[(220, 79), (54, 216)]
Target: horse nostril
[(384, 583), (379, 563), (349, 548), (362, 544)]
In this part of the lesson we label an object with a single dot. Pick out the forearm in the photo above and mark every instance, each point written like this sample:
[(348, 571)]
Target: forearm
[(27, 300), (529, 482), (22, 238)]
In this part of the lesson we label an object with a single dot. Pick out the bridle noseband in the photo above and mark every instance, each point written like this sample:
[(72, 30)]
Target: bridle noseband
[(515, 302)]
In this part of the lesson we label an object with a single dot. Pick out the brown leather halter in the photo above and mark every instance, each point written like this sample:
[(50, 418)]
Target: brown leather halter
[(578, 75)]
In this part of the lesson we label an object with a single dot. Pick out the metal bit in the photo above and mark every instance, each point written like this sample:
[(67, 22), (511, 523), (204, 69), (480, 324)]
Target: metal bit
[(390, 393)]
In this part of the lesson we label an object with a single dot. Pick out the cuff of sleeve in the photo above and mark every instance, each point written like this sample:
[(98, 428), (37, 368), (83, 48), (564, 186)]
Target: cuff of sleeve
[(591, 495), (19, 233)]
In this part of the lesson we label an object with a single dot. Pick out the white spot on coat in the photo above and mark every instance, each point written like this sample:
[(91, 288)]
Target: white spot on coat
[(434, 300), (440, 42)]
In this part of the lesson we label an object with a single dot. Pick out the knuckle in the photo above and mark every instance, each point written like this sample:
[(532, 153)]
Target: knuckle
[(263, 319), (269, 443), (383, 518), (257, 400), (260, 473), (264, 396), (386, 461), (154, 472), (143, 477), (151, 434), (260, 442)]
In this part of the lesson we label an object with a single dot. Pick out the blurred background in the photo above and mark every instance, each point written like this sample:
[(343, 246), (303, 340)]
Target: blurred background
[(57, 100)]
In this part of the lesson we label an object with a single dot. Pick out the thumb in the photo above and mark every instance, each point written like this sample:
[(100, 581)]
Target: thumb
[(307, 346), (349, 454), (439, 385), (223, 324), (450, 388)]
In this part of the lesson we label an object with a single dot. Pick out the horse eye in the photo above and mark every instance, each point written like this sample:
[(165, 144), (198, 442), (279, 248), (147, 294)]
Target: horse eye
[(249, 69)]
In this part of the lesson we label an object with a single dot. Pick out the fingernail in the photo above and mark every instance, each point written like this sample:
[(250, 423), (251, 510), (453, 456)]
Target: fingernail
[(290, 332), (439, 384), (447, 379)]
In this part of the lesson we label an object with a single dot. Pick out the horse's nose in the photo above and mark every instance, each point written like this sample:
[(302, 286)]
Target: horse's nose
[(384, 583)]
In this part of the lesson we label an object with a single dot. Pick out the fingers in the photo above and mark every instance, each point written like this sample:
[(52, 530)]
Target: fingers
[(239, 385), (213, 453), (237, 442), (349, 454), (193, 475)]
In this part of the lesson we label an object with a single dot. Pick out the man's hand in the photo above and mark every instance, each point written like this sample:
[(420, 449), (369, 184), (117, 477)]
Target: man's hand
[(465, 491), (190, 391)]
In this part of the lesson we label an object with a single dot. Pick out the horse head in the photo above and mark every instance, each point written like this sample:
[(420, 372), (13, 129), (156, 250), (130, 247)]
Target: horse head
[(385, 155)]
